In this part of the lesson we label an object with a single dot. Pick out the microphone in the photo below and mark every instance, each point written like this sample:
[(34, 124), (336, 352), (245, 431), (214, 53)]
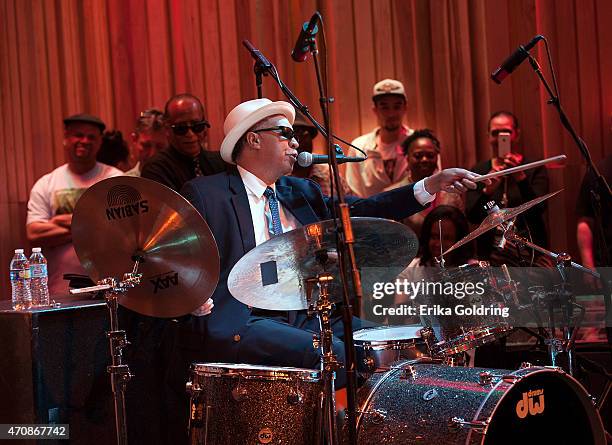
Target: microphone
[(306, 159), (515, 59), (257, 55), (302, 45)]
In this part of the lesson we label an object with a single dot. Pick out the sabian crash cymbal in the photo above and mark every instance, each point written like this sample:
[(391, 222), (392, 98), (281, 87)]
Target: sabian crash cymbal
[(272, 276), (123, 217), (499, 217)]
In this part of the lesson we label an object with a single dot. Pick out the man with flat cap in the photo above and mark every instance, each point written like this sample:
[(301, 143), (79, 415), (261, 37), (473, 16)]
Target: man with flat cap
[(54, 196), (254, 201)]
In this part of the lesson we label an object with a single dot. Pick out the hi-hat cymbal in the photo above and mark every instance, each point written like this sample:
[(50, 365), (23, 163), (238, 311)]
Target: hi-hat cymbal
[(121, 218), (499, 217), (272, 276)]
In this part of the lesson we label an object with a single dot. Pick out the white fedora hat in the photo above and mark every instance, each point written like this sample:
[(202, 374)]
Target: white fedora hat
[(247, 114)]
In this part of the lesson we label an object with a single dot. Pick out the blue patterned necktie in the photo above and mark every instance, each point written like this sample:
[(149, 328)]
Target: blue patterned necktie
[(277, 228)]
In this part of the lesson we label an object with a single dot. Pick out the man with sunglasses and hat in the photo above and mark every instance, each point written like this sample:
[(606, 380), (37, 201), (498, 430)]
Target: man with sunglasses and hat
[(186, 157), (255, 200)]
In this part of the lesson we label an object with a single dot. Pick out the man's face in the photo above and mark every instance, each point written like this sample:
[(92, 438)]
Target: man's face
[(276, 151), (148, 143), (505, 124), (182, 114), (390, 111), (82, 142), (422, 158)]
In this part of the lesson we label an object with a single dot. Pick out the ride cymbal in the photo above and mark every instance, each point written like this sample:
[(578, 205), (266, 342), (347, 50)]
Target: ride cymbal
[(273, 275)]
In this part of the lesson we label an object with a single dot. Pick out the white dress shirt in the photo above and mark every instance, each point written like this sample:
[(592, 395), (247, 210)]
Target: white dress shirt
[(260, 210)]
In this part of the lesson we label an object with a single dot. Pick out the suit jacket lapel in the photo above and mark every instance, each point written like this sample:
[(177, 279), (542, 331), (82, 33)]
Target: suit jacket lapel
[(295, 202), (240, 201)]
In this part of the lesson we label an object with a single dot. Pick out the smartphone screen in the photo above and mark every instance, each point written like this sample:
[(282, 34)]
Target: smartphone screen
[(503, 144)]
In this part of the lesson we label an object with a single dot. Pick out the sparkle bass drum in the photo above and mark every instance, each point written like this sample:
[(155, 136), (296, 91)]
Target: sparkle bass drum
[(248, 404), (421, 402)]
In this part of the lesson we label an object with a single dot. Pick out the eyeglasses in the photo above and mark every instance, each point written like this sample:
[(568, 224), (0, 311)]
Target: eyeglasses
[(183, 128), (286, 132)]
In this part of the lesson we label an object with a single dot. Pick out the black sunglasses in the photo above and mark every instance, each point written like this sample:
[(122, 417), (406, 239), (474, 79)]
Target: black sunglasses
[(183, 128), (285, 132)]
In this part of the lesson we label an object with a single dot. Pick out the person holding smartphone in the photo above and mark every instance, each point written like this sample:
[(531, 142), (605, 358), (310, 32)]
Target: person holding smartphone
[(507, 191)]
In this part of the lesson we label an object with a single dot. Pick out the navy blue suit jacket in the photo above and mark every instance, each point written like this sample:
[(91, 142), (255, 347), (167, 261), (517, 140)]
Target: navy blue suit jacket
[(222, 200)]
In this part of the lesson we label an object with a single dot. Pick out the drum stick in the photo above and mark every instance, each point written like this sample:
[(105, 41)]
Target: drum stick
[(520, 168)]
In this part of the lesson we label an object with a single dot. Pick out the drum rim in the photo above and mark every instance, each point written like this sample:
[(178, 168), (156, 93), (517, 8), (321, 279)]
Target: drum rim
[(533, 370), (250, 371), (379, 344), (486, 335)]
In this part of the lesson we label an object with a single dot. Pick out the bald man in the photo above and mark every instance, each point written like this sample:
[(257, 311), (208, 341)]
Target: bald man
[(186, 158)]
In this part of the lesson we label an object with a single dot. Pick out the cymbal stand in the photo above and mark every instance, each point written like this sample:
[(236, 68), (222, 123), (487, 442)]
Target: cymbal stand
[(323, 307), (561, 297), (119, 372)]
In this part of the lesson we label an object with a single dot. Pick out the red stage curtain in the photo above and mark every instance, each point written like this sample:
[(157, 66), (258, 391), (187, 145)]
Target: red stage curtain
[(115, 58)]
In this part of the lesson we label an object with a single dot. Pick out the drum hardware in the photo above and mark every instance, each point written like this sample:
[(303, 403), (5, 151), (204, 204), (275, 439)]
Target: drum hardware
[(408, 372), (376, 416), (457, 423), (525, 365), (119, 372), (485, 378), (560, 297), (295, 397), (460, 359), (323, 307)]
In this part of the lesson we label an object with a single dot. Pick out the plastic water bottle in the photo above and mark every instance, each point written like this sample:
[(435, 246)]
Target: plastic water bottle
[(39, 278), (20, 281)]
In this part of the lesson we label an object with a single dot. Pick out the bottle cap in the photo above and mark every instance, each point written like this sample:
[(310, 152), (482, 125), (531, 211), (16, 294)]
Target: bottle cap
[(18, 250), (36, 250)]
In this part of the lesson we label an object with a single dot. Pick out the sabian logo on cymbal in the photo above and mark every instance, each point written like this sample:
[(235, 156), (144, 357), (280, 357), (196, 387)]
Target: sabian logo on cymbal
[(124, 201), (528, 405)]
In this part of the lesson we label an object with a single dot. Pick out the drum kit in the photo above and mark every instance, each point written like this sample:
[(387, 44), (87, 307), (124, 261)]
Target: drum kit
[(410, 393)]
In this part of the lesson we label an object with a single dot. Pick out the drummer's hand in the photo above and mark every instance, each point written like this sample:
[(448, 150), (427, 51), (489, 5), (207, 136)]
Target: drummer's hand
[(514, 160), (452, 180), (205, 309)]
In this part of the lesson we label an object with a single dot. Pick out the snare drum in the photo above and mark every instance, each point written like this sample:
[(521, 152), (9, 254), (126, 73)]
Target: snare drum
[(422, 402), (384, 345), (238, 403)]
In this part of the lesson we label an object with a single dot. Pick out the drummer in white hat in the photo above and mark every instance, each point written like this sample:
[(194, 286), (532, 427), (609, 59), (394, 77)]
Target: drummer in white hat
[(259, 134)]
